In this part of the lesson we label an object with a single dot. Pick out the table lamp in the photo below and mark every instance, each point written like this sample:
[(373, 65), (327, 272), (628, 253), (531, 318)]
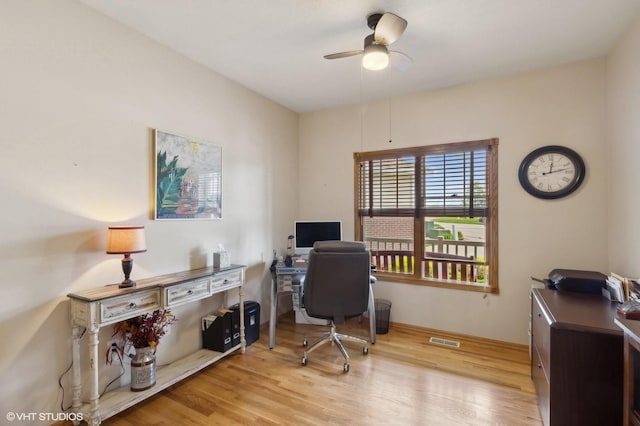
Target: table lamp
[(126, 240)]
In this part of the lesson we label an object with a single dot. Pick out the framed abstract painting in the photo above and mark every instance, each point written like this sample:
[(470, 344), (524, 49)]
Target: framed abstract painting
[(188, 178)]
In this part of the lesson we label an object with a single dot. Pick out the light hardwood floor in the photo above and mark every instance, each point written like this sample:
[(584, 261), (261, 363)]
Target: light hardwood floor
[(403, 380)]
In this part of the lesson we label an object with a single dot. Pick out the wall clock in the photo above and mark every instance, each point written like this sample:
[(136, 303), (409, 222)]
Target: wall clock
[(551, 172)]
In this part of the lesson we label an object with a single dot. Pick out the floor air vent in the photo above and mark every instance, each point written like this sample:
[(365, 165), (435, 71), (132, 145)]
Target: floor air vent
[(444, 342)]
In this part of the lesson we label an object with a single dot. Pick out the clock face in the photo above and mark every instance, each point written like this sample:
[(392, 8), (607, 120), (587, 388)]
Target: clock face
[(551, 172)]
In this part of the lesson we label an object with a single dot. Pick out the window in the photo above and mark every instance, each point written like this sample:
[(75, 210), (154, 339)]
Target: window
[(429, 215)]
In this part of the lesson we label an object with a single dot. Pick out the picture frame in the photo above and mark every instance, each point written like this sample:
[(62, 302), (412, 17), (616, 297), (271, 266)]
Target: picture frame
[(188, 178)]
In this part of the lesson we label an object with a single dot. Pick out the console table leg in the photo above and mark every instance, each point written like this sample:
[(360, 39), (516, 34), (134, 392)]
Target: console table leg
[(243, 340), (76, 378), (94, 407)]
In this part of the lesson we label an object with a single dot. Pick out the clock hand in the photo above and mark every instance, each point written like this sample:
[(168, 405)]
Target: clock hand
[(554, 171)]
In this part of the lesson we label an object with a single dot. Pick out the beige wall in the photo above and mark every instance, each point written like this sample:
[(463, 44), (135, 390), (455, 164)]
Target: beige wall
[(623, 78), (563, 105), (80, 95)]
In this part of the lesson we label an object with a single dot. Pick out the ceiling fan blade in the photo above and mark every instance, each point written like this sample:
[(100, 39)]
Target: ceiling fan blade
[(399, 60), (343, 54), (389, 28)]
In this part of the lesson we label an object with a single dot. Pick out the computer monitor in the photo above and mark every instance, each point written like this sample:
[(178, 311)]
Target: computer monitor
[(308, 232)]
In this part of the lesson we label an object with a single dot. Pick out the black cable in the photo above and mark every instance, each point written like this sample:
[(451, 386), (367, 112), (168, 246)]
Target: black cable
[(113, 350), (117, 352), (63, 374), (62, 387)]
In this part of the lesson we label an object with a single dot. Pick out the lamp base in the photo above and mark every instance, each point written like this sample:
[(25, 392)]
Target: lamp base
[(127, 266), (127, 283)]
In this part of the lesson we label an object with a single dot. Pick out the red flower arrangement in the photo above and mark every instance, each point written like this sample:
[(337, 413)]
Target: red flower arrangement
[(145, 330)]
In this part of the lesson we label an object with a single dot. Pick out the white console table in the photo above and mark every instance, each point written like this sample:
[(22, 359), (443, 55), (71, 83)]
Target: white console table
[(95, 308)]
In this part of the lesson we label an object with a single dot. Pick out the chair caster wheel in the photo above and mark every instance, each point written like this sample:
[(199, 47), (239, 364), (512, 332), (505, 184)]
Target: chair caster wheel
[(365, 350), (346, 368), (305, 343), (304, 360)]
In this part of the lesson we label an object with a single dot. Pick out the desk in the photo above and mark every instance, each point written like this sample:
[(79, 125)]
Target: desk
[(280, 287)]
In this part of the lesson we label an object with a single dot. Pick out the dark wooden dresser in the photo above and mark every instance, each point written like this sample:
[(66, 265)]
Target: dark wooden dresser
[(576, 358), (631, 330)]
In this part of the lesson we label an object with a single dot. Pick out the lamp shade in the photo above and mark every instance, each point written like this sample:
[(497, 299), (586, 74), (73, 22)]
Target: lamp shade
[(126, 239), (376, 57)]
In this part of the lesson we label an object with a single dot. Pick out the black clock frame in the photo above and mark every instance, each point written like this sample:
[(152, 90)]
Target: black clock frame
[(569, 153)]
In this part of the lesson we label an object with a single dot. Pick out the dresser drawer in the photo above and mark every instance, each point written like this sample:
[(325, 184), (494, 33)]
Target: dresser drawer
[(541, 333), (541, 381), (226, 280), (538, 371), (187, 292), (123, 307)]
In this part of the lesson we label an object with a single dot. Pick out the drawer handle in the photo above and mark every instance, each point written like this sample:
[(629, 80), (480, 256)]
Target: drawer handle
[(539, 365), (225, 281), (190, 292), (539, 315), (132, 305)]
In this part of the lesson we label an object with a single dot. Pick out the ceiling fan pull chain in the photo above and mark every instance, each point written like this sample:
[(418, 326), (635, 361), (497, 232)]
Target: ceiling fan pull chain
[(361, 114), (389, 103)]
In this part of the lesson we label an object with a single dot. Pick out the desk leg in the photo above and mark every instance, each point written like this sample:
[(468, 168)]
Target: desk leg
[(273, 313), (372, 315)]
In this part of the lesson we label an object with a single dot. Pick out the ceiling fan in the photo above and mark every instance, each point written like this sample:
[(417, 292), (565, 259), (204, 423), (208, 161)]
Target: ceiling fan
[(387, 28)]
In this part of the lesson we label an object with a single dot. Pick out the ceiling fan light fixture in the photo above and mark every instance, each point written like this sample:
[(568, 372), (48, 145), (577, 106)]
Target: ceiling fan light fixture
[(375, 57)]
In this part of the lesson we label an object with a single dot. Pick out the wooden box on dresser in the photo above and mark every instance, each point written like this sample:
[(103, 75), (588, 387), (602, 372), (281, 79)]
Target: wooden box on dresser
[(576, 358)]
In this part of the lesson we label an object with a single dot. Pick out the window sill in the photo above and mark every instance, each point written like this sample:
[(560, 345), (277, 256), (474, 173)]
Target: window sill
[(455, 285)]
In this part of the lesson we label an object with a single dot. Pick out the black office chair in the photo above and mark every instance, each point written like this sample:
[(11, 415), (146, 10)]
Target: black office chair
[(336, 288)]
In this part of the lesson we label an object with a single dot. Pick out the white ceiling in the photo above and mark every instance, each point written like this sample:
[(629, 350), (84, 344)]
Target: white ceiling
[(276, 47)]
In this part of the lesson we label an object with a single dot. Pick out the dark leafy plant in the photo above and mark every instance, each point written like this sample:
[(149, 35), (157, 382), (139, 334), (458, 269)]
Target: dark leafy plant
[(141, 332), (169, 180), (145, 330)]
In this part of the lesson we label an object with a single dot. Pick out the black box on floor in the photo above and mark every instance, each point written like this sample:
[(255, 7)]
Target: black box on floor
[(251, 320), (217, 331), (235, 327)]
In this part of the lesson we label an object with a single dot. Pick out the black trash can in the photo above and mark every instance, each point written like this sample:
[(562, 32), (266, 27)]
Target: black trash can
[(383, 311)]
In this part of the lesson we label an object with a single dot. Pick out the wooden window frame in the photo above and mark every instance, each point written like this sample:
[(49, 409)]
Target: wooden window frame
[(491, 217)]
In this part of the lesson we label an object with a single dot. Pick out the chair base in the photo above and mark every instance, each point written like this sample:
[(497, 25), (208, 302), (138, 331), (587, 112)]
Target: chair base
[(335, 338)]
